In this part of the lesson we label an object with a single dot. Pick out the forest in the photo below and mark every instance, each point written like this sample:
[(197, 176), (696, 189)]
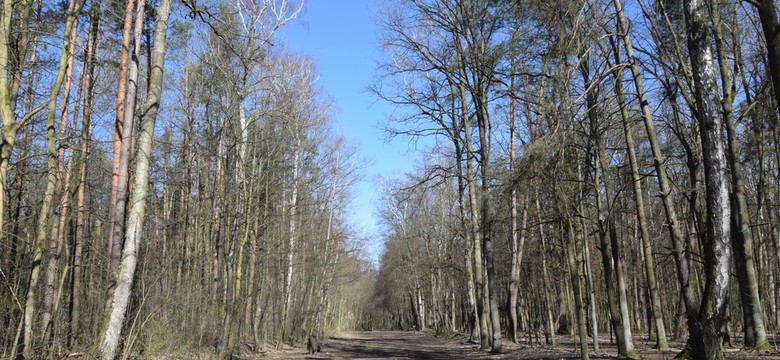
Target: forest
[(172, 183)]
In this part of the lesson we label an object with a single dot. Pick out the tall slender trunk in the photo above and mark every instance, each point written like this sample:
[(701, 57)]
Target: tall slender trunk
[(610, 254), (624, 343), (655, 298), (21, 182), (74, 8), (119, 204), (258, 316), (59, 198), (243, 213), (591, 99), (217, 238), (574, 259), (514, 280), (742, 241), (593, 309), (665, 191), (717, 252), (483, 118), (479, 267), (149, 110), (10, 81), (644, 233), (550, 333), (767, 14), (292, 235), (78, 241), (473, 312), (119, 138)]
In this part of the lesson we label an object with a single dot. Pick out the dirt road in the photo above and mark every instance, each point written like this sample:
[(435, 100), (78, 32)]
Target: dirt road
[(416, 345), (396, 345)]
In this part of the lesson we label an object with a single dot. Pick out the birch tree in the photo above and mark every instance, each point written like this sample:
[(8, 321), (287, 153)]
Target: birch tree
[(116, 316), (708, 328)]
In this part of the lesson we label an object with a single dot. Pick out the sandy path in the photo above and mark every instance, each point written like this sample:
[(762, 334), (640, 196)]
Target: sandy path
[(416, 345), (395, 345)]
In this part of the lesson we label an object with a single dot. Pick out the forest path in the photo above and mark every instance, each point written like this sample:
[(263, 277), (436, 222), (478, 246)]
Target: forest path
[(370, 345), (395, 345), (417, 345)]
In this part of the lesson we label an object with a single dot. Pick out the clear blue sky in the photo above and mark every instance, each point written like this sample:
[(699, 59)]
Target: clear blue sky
[(342, 38)]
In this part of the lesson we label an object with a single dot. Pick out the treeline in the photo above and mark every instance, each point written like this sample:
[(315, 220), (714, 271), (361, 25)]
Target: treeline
[(597, 168), (169, 182)]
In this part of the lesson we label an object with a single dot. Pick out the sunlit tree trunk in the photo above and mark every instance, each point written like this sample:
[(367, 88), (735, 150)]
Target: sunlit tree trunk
[(74, 8), (79, 238), (292, 235), (550, 333), (717, 252), (116, 316), (665, 191), (574, 240), (742, 241), (473, 312), (610, 254), (217, 239), (487, 237), (518, 235), (479, 272), (590, 288), (655, 298), (60, 198), (127, 91), (10, 81)]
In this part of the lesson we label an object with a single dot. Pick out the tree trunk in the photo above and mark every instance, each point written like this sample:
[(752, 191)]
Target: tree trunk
[(767, 14), (10, 80), (593, 309), (218, 207), (574, 257), (119, 136), (113, 328), (473, 312), (517, 244), (514, 279), (610, 254), (479, 267), (122, 158), (678, 242), (717, 253), (74, 8), (60, 198), (483, 119), (655, 297), (78, 241), (742, 241), (292, 236), (550, 333), (644, 233)]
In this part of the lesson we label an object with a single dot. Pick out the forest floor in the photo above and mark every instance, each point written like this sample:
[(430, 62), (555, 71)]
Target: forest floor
[(418, 345)]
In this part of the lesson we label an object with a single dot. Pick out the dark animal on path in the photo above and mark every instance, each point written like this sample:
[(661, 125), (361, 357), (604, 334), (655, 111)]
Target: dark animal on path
[(311, 345)]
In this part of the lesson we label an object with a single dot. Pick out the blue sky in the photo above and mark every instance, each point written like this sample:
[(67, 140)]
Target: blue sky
[(343, 39)]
